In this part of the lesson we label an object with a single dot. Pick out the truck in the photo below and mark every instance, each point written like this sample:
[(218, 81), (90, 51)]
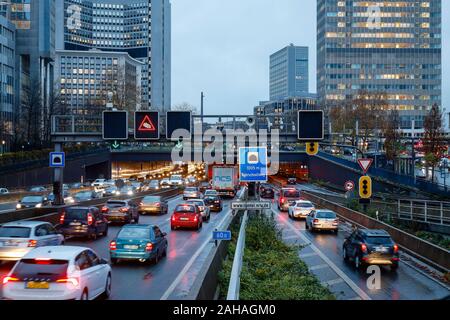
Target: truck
[(224, 179)]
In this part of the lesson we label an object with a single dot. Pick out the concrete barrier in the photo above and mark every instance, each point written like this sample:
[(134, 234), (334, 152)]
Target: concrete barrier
[(423, 250)]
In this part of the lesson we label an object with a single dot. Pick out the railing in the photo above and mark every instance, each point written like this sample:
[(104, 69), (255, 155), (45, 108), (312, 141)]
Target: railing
[(435, 212)]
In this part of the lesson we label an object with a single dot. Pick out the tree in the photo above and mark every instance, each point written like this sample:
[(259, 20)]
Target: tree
[(433, 141), (392, 134), (31, 116), (185, 106)]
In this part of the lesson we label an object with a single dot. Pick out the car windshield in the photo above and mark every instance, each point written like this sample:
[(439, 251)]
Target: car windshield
[(304, 205), (75, 214), (291, 194), (153, 182), (32, 199), (185, 208), (191, 189), (15, 232), (199, 203), (175, 177), (211, 198), (378, 240), (53, 269), (134, 233), (85, 194), (116, 204), (151, 199), (326, 215)]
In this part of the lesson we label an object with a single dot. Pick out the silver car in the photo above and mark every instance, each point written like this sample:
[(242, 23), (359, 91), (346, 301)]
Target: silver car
[(204, 209), (192, 193), (300, 209), (18, 238), (322, 220)]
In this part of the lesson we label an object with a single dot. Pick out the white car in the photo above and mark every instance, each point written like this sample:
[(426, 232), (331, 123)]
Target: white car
[(211, 193), (19, 238), (204, 209), (99, 183), (322, 220), (176, 180), (300, 209), (58, 273)]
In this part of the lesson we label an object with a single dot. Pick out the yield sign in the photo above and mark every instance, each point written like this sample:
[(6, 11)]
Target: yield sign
[(147, 124), (365, 164)]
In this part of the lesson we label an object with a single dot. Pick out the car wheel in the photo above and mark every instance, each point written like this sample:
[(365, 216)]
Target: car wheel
[(344, 254), (336, 231), (94, 235), (306, 225), (156, 258), (84, 295), (107, 292), (394, 267), (164, 254), (172, 228)]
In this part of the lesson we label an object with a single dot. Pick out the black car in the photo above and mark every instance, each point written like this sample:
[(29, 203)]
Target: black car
[(83, 222), (371, 247), (266, 193), (292, 180), (122, 211), (214, 203), (32, 202), (204, 186)]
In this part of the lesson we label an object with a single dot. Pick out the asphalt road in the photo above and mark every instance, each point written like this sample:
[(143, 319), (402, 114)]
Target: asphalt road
[(170, 278)]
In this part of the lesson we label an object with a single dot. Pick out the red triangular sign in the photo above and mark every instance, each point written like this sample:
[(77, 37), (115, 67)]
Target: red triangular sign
[(365, 164), (147, 124)]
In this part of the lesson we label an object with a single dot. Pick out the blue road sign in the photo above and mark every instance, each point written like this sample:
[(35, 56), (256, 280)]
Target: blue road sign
[(222, 235), (253, 164), (57, 159)]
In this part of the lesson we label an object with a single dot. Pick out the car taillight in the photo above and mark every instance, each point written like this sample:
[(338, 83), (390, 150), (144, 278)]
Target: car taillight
[(195, 218), (9, 279), (61, 218), (282, 200), (149, 247), (90, 219), (316, 221), (105, 209), (174, 218), (123, 209), (32, 243), (395, 248), (112, 245), (73, 281), (141, 204), (363, 247), (336, 221), (158, 204)]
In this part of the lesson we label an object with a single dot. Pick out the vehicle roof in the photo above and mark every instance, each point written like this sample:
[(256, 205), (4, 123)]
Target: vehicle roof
[(374, 232), (55, 252), (83, 208), (30, 224), (306, 201), (139, 226)]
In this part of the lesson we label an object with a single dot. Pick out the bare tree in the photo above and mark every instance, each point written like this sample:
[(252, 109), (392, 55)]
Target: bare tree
[(185, 106), (433, 141), (392, 134), (31, 115)]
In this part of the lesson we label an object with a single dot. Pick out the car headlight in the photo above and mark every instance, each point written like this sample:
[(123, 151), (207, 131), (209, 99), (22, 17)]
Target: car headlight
[(18, 206), (117, 192), (130, 193), (38, 205)]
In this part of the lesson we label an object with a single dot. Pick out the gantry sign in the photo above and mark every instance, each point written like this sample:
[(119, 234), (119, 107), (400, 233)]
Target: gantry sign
[(310, 128)]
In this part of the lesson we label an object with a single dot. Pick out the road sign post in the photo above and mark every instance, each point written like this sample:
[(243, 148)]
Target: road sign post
[(253, 164), (57, 161)]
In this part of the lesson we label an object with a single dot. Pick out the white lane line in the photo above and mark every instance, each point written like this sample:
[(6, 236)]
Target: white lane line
[(335, 268), (318, 267), (188, 265), (307, 255), (333, 282)]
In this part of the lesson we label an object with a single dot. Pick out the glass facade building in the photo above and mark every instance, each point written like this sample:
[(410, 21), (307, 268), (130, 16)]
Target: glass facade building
[(289, 72), (140, 28), (392, 47)]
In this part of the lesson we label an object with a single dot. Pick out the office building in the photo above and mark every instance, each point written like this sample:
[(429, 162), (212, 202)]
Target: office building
[(289, 72), (86, 77), (392, 47), (140, 28)]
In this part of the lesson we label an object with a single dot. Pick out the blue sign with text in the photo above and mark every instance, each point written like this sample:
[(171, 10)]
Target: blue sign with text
[(222, 235), (253, 164)]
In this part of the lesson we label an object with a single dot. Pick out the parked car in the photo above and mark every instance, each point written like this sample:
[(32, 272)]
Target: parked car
[(287, 197), (214, 203), (192, 193), (322, 220), (124, 211), (83, 222), (32, 202), (85, 196), (139, 242), (37, 189), (4, 191), (186, 216), (58, 273), (153, 204), (19, 238), (371, 247), (300, 209), (68, 199), (204, 209)]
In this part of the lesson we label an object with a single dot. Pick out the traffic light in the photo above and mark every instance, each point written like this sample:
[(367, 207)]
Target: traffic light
[(365, 187), (312, 148)]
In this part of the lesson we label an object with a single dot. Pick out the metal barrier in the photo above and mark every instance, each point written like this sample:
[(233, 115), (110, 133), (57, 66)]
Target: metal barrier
[(436, 212), (235, 277)]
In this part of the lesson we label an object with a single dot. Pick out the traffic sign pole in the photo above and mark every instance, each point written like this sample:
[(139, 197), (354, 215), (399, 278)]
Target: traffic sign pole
[(58, 180)]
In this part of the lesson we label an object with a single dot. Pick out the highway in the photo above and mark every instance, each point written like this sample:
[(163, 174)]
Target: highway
[(170, 278)]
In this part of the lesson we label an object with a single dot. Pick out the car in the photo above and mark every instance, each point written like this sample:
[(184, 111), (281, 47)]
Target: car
[(4, 191), (292, 180), (154, 185), (141, 242), (18, 238), (153, 204), (192, 193), (186, 216), (99, 183), (287, 197), (266, 192), (204, 186), (122, 211), (211, 192), (176, 180), (68, 199), (165, 183), (58, 273), (83, 222), (300, 209), (204, 209), (111, 191), (137, 186), (32, 202), (371, 247), (85, 196), (214, 203), (127, 190), (322, 220), (38, 189)]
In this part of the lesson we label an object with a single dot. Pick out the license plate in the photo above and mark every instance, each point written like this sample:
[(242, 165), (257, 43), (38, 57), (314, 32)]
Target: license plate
[(381, 249), (132, 247), (37, 285), (9, 244), (75, 224), (184, 219)]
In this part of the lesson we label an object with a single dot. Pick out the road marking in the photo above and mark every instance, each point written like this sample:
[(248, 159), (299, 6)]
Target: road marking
[(307, 255), (188, 265), (290, 237), (318, 267), (339, 272), (333, 282)]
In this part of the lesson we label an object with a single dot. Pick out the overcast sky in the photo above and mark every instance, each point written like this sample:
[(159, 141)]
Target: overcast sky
[(222, 47)]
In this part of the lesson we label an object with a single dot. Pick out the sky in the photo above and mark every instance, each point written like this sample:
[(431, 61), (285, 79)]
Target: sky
[(222, 47)]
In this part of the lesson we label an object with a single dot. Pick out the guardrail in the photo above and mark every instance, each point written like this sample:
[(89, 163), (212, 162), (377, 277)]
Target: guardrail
[(235, 277)]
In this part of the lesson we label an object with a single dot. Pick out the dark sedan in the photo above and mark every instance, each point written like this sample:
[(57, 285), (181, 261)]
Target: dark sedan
[(32, 202), (214, 203)]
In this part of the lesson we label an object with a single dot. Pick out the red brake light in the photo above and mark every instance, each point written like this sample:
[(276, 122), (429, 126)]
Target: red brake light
[(157, 204), (9, 279), (195, 218), (282, 200), (32, 243), (395, 248), (112, 245), (316, 221), (105, 209), (363, 247), (123, 209), (73, 281), (173, 217), (90, 219), (61, 219), (149, 246)]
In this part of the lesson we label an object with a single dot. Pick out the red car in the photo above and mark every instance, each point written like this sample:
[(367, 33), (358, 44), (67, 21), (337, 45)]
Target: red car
[(186, 216)]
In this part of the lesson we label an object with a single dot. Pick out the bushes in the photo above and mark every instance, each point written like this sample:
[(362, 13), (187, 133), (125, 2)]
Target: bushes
[(271, 269)]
